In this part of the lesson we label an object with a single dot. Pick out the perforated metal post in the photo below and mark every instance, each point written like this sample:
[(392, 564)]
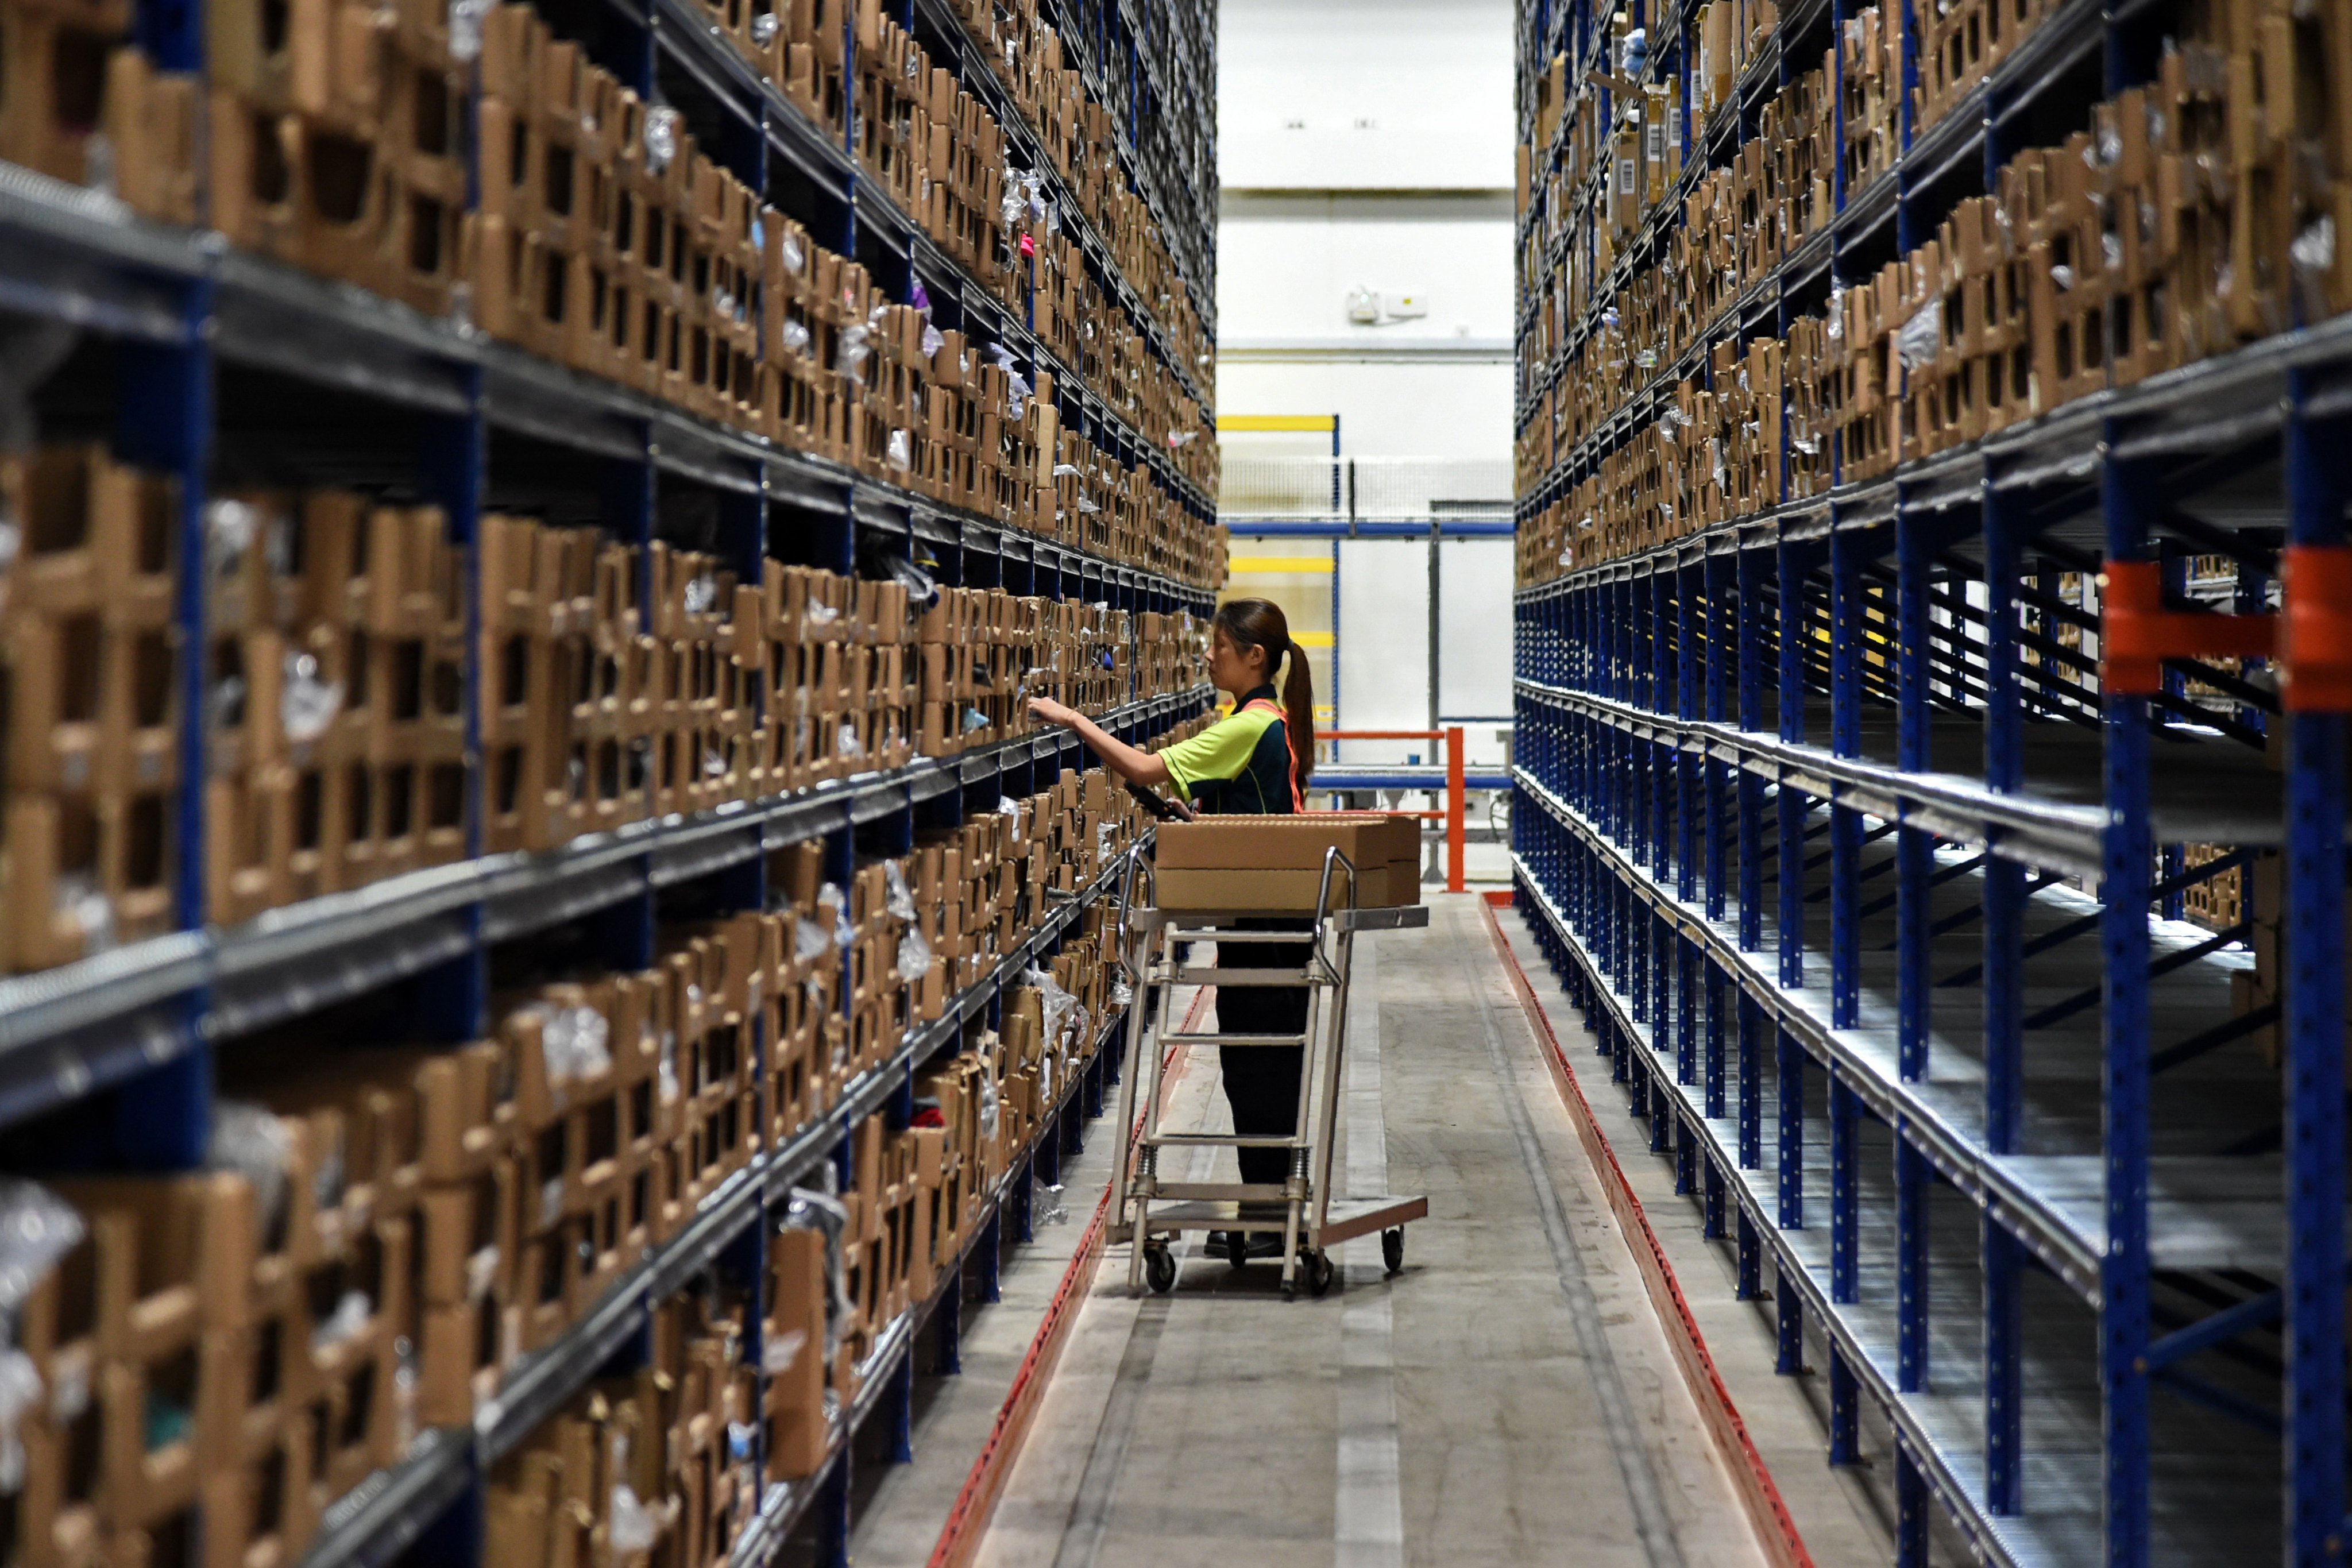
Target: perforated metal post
[(164, 1117), (1791, 1090), (1752, 610), (2129, 496), (2318, 484), (1845, 741), (1912, 1179), (1914, 847), (1846, 1191), (1789, 868)]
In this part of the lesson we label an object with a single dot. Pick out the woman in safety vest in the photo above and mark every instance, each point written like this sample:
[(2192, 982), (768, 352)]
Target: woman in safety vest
[(1254, 761)]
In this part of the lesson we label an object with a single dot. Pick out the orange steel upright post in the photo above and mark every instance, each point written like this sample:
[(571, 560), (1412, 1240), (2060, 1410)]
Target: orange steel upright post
[(1454, 881)]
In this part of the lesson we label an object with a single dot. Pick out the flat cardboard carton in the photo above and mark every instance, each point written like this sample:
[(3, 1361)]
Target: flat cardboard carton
[(1276, 862)]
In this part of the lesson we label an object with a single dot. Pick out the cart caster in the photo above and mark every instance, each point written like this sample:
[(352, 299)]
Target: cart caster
[(1316, 1267), (1393, 1251), (1159, 1268), (1237, 1248)]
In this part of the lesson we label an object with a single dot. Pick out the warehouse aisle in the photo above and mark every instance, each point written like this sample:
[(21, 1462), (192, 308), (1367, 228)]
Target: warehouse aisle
[(1510, 1398)]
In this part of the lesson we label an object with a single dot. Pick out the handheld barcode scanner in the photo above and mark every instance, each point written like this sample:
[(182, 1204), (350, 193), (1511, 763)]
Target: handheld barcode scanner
[(1160, 806)]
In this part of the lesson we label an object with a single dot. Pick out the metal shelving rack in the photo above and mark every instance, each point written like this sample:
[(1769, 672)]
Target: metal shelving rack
[(209, 365), (414, 1504), (1868, 886)]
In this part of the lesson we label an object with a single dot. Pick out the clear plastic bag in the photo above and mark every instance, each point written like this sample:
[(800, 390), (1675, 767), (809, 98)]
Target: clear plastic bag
[(779, 1353), (631, 1527), (307, 704), (830, 895), (252, 1142), (20, 1391), (900, 899), (346, 1323), (1918, 339), (12, 544), (811, 1210), (809, 939), (37, 1229), (661, 137), (914, 957), (466, 18)]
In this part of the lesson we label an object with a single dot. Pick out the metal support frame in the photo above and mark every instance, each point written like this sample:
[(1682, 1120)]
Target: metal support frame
[(201, 309), (1665, 700)]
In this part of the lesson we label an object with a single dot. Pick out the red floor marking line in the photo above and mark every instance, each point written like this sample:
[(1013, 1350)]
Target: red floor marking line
[(1500, 898), (1775, 1529), (967, 1522)]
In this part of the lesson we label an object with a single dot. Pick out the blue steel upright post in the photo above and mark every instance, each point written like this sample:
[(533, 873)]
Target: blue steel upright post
[(2319, 483)]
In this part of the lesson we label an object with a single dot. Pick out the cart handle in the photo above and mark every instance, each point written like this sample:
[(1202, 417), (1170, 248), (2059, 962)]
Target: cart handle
[(1137, 868), (1331, 858)]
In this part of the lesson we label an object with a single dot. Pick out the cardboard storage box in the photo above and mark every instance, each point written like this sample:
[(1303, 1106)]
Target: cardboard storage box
[(1276, 862)]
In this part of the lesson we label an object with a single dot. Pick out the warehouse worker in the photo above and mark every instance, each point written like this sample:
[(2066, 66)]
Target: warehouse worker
[(1256, 761)]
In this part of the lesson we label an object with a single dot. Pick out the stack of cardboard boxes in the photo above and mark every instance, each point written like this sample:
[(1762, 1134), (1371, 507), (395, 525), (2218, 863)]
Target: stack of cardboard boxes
[(1869, 60), (2193, 217), (602, 709), (1241, 863), (140, 1335), (80, 102), (90, 659), (941, 157), (389, 1231), (337, 134), (1081, 138), (336, 709), (604, 238), (599, 236), (1961, 42), (336, 673), (914, 1199), (983, 653), (651, 1468), (842, 693)]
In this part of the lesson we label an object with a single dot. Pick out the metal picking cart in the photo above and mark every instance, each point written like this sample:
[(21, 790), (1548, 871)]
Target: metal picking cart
[(1146, 1208)]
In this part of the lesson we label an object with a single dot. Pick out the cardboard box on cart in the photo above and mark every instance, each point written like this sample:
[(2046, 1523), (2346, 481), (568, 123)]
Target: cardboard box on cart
[(1275, 863)]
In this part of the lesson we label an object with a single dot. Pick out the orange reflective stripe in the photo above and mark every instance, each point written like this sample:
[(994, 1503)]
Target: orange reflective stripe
[(1297, 801)]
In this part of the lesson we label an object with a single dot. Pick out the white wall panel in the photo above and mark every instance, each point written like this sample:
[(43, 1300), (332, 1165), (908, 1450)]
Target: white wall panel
[(1384, 644), (1474, 622), (1385, 409), (1364, 94), (1285, 265)]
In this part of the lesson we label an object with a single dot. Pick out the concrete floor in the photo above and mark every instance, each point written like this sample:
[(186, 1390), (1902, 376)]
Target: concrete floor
[(1510, 1398)]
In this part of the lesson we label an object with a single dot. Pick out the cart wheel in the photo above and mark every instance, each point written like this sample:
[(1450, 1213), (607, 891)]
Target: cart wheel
[(1317, 1267), (1393, 1249), (1237, 1248), (1159, 1268)]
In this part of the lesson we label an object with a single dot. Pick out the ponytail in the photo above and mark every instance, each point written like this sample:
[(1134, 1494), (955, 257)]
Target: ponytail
[(1260, 624), (1298, 715)]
